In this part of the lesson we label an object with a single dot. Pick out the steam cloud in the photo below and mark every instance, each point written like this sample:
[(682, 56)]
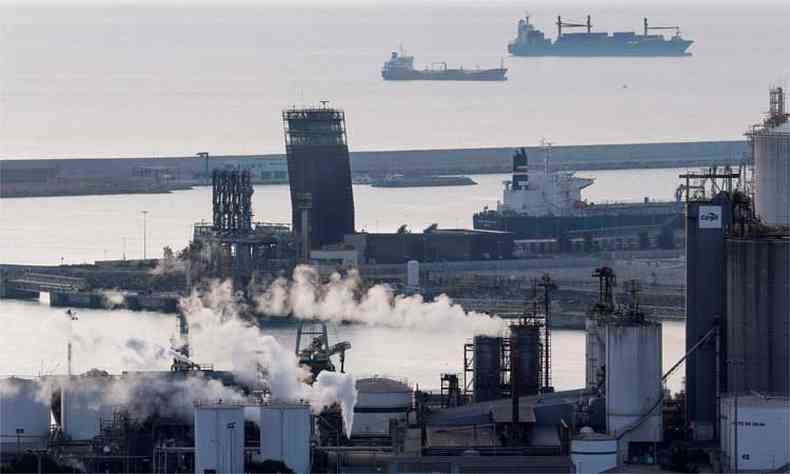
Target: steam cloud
[(305, 297), (218, 335)]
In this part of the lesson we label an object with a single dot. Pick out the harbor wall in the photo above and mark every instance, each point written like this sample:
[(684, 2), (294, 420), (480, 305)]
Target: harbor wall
[(41, 177)]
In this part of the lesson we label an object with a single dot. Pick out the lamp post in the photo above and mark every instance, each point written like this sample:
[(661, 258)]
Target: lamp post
[(145, 234)]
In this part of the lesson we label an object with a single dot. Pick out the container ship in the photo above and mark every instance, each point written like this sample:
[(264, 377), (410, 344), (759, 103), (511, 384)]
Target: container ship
[(550, 206), (400, 181), (531, 41), (401, 68)]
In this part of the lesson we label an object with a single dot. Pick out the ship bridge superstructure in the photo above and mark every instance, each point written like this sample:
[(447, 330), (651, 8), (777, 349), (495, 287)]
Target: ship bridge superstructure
[(542, 194)]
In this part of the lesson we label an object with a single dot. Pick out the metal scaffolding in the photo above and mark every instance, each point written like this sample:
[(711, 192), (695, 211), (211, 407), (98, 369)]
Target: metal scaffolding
[(232, 201)]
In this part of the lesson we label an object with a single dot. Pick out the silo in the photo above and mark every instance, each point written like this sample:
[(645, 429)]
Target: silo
[(286, 430), (758, 314), (525, 346), (24, 416), (707, 224), (379, 400), (487, 368), (219, 438), (771, 148), (633, 382)]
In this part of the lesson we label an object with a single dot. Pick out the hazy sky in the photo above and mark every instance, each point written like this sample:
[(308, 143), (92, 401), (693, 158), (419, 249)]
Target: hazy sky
[(187, 3)]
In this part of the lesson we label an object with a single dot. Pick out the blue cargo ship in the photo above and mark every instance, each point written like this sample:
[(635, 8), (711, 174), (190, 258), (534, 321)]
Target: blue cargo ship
[(531, 41)]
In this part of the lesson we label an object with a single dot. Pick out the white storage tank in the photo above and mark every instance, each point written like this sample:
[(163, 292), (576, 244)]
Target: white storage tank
[(413, 274), (633, 382), (380, 399), (83, 404), (219, 438), (286, 431), (593, 452), (772, 163), (24, 417), (763, 433)]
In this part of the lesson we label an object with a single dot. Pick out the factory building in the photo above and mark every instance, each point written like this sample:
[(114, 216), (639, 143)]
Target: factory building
[(380, 400), (322, 200), (738, 306), (754, 434), (439, 245), (756, 336)]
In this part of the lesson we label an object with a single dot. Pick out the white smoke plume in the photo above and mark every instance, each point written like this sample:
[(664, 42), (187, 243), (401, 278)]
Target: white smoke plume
[(113, 299), (305, 297), (9, 387), (331, 387), (97, 394), (218, 334), (169, 264)]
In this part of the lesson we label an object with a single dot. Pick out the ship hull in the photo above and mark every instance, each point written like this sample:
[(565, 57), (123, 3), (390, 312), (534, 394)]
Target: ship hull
[(445, 75), (423, 182), (629, 221), (604, 49)]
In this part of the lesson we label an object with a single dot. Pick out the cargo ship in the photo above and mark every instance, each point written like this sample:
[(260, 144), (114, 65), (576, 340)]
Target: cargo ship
[(550, 206), (531, 41), (400, 181), (400, 67)]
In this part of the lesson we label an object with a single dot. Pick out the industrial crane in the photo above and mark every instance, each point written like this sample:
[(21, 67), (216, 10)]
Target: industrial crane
[(317, 353), (561, 23), (648, 28)]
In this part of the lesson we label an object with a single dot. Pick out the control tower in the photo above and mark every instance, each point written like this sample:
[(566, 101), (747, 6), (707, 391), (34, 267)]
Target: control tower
[(322, 200)]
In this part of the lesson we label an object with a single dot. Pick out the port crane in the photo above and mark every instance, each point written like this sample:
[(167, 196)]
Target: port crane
[(561, 24), (313, 349), (648, 28)]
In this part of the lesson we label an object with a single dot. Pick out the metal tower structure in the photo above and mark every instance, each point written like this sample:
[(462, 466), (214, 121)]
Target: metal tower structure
[(232, 201), (548, 286), (319, 171)]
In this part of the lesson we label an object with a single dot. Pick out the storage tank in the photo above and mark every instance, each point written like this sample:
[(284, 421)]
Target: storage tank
[(771, 143), (525, 354), (380, 399), (24, 416), (286, 430), (757, 325), (83, 404), (763, 433), (219, 438), (595, 353), (413, 274), (487, 368), (593, 452), (633, 382)]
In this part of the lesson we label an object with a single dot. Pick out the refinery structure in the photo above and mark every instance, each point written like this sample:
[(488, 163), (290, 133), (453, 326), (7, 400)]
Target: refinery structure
[(298, 409)]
